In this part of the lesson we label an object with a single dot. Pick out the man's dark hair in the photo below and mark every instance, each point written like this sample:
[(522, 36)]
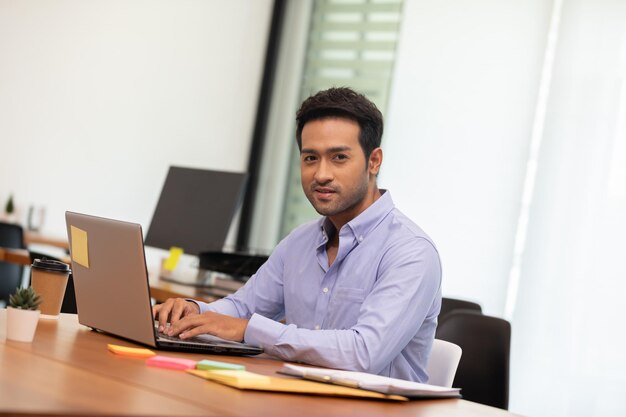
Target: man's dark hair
[(347, 103)]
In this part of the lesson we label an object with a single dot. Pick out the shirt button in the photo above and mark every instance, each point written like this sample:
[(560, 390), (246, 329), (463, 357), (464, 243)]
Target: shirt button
[(317, 327), (325, 290), (360, 238)]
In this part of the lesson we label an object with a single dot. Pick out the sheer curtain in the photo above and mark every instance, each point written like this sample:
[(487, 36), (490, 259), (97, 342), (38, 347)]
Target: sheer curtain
[(457, 132), (569, 334), (506, 141)]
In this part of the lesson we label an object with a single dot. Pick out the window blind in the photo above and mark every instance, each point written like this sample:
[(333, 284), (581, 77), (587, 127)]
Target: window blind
[(352, 43)]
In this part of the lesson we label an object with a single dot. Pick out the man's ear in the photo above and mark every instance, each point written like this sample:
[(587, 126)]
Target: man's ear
[(375, 160)]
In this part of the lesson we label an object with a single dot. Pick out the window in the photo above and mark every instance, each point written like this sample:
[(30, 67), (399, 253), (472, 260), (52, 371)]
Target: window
[(351, 43)]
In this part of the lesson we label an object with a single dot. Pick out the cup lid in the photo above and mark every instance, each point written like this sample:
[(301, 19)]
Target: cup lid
[(50, 265)]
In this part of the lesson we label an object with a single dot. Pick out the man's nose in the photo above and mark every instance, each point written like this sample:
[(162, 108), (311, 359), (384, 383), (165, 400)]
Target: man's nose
[(324, 173)]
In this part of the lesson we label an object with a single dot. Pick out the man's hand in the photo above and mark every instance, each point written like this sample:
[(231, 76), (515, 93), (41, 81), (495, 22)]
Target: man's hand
[(226, 327), (172, 310)]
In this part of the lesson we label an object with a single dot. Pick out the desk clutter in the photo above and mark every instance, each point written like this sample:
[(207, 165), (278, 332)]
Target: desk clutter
[(308, 380), (245, 380), (130, 352), (371, 382), (169, 362)]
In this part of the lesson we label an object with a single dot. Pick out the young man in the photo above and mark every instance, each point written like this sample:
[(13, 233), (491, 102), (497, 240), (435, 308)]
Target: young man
[(358, 289)]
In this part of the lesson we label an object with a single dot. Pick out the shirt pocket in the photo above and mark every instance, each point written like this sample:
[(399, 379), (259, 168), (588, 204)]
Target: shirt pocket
[(344, 307), (342, 294)]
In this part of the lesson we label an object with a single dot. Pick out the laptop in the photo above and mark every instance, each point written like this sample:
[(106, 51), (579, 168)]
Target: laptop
[(113, 291)]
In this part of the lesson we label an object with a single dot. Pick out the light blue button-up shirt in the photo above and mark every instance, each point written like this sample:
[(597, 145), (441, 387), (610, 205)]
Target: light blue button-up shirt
[(373, 310)]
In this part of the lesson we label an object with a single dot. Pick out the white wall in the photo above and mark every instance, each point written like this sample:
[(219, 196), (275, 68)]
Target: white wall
[(458, 128), (98, 98)]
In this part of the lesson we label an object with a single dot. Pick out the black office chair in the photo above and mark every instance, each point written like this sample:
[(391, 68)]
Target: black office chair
[(11, 236), (483, 372), (450, 304), (69, 299)]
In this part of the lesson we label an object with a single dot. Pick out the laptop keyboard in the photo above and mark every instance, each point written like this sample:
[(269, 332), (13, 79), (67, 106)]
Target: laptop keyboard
[(197, 340), (163, 336)]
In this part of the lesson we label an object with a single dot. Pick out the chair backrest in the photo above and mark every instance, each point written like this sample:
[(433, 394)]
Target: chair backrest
[(450, 304), (442, 364), (483, 372), (11, 236)]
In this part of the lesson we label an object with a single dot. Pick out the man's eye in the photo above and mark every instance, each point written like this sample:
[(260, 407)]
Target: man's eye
[(341, 157), (308, 158)]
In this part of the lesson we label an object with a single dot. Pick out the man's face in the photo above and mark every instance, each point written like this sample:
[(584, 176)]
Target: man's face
[(335, 175)]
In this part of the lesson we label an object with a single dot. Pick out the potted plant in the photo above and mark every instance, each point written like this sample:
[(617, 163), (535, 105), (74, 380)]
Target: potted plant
[(9, 209), (23, 315)]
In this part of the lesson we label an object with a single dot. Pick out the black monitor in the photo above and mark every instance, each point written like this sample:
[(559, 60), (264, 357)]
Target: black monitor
[(195, 209)]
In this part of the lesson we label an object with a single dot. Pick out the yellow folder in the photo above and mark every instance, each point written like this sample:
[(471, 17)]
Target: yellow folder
[(251, 381)]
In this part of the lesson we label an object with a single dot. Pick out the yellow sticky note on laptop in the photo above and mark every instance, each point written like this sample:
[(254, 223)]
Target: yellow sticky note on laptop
[(80, 247), (172, 260)]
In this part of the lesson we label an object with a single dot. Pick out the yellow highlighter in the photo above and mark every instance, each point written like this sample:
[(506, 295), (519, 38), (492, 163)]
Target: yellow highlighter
[(172, 261)]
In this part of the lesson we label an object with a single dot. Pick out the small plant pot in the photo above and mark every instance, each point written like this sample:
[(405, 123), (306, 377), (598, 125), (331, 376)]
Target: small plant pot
[(21, 324)]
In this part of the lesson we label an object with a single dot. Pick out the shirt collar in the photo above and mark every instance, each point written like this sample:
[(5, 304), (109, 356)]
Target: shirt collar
[(365, 222)]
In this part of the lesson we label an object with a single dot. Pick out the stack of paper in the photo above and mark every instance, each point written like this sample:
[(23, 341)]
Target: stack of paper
[(385, 385)]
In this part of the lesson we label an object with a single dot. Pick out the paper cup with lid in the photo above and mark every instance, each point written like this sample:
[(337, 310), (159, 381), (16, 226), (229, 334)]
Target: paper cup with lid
[(49, 280)]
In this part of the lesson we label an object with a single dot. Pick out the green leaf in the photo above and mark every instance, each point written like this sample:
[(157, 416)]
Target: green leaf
[(25, 299)]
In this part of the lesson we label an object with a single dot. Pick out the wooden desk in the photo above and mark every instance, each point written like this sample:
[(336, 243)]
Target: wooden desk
[(22, 256), (36, 238), (16, 256), (161, 290), (67, 370)]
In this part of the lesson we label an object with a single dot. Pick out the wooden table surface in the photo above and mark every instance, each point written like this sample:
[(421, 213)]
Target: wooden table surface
[(67, 370), (36, 238), (160, 289), (16, 256)]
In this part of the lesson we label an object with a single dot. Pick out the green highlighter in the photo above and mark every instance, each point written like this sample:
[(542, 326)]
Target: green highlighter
[(207, 365)]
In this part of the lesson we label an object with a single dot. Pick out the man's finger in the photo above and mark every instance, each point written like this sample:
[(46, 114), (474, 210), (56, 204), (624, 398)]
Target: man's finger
[(178, 310), (206, 328), (163, 313), (188, 323)]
